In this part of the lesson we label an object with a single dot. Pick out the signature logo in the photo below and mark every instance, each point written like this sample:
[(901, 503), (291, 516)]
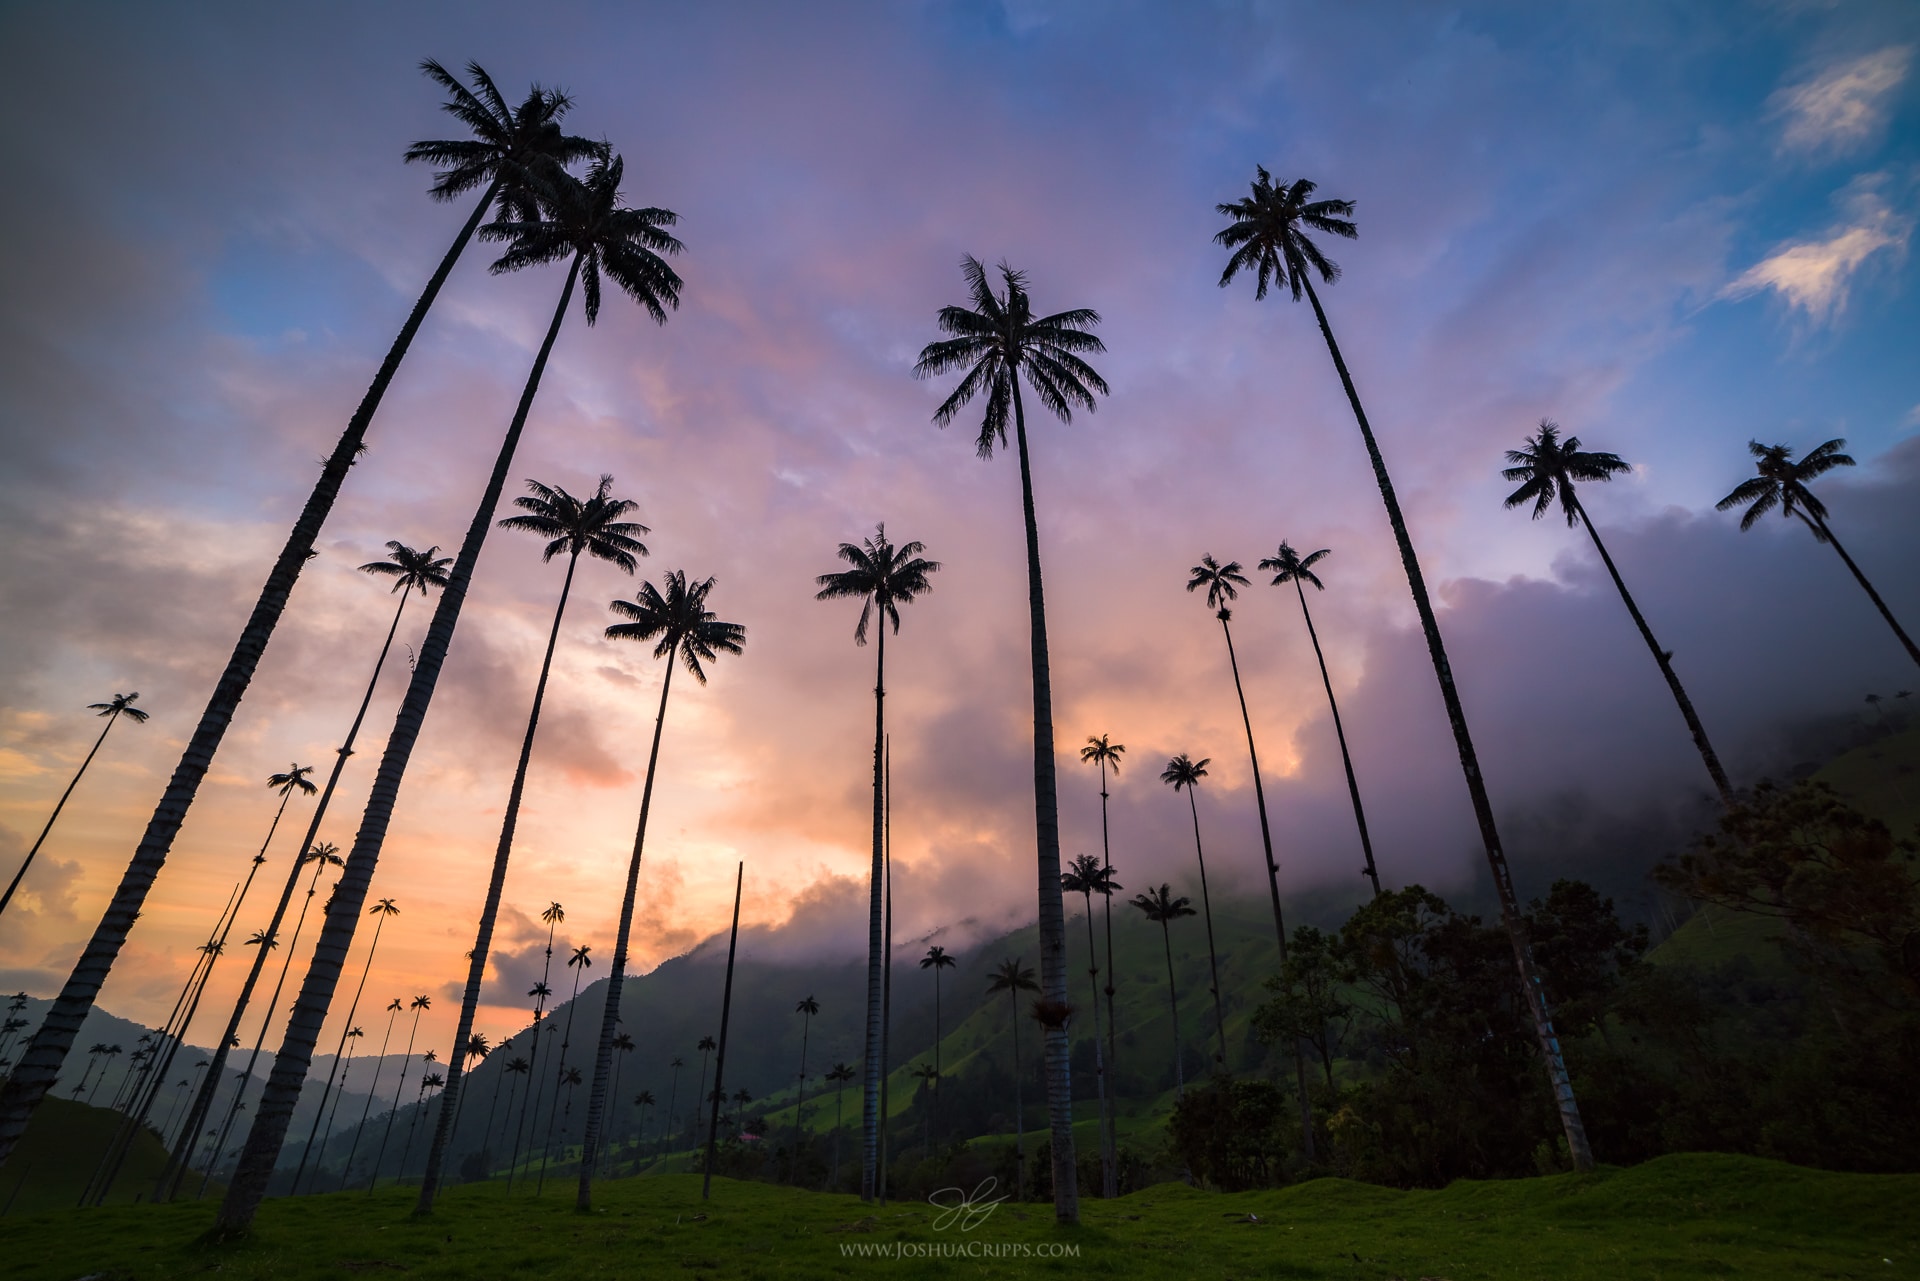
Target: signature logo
[(966, 1209)]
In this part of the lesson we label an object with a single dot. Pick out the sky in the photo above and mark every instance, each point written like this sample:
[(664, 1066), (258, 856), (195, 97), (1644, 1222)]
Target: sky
[(1670, 227)]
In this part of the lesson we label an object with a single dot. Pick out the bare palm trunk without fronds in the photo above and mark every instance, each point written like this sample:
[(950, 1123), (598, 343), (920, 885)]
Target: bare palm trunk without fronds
[(1046, 807), (1173, 999), (720, 1054), (886, 972), (617, 975), (800, 1103), (350, 893), (59, 805), (489, 914), (870, 1118), (1019, 1107), (41, 1064), (1823, 532), (1273, 883), (1536, 998), (1107, 1188), (1370, 871), (1213, 956), (1109, 1071), (345, 1030)]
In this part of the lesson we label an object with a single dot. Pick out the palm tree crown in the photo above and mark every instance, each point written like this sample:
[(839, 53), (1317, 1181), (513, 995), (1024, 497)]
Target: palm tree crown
[(512, 146), (998, 339), (294, 778), (1782, 483), (1547, 468), (1223, 582), (409, 568), (1161, 906), (120, 705), (1085, 875), (1268, 233), (1184, 771), (1011, 975), (1102, 751), (883, 576), (1289, 566), (678, 619), (574, 526)]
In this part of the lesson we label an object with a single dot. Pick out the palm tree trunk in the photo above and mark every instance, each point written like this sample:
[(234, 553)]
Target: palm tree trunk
[(1046, 809), (800, 1102), (330, 1118), (483, 941), (886, 977), (1536, 998), (393, 1113), (373, 1089), (521, 1126), (59, 805), (1370, 871), (870, 1118), (1099, 1064), (935, 1100), (617, 976), (1660, 656), (41, 1064), (1109, 1099), (1019, 1107), (1273, 883), (1824, 533), (1173, 999), (486, 1132), (350, 893), (720, 1055), (346, 1029), (553, 1108), (1213, 956)]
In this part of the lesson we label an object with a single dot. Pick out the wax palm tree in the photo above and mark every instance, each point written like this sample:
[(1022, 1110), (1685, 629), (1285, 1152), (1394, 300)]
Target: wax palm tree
[(1781, 482), (553, 914), (1547, 469), (642, 1101), (806, 1009), (1087, 876), (1013, 977), (996, 340), (94, 1052), (113, 709), (673, 1093), (516, 1066), (1287, 566), (418, 1005), (381, 910), (580, 962), (477, 1048), (884, 576), (427, 1080), (571, 526), (936, 960), (1269, 236), (509, 147), (839, 1074), (929, 1077), (373, 1087), (1162, 908), (1106, 753), (352, 1040), (706, 1047), (112, 1052), (624, 1045), (681, 627), (587, 225), (1184, 773)]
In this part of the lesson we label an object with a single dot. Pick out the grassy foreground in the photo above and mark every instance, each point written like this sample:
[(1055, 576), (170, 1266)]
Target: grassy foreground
[(1677, 1217)]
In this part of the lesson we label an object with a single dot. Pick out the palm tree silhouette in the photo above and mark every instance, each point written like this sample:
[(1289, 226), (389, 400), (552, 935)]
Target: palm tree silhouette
[(1086, 876), (642, 1101), (997, 340), (1106, 753), (380, 910), (427, 1080), (673, 1092), (1269, 236), (553, 914), (936, 960), (518, 1066), (570, 525), (806, 1009), (839, 1074), (419, 1004), (707, 1046), (624, 1044), (680, 625), (580, 962), (1183, 772), (352, 1039), (379, 1066), (113, 709), (586, 223), (1163, 909), (1781, 482), (929, 1077), (1013, 977), (510, 145), (1547, 468), (1287, 566), (94, 1052), (883, 576)]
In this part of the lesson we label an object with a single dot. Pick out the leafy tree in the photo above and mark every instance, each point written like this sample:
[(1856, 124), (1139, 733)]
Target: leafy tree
[(681, 627), (572, 526), (1230, 1133), (1308, 1004), (1288, 566), (1184, 773), (587, 225), (884, 577), (1013, 977), (1547, 469), (1269, 236), (997, 340), (113, 709), (1163, 908), (511, 148), (1782, 483)]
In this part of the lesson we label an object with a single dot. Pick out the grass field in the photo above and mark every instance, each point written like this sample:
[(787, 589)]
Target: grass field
[(1677, 1217)]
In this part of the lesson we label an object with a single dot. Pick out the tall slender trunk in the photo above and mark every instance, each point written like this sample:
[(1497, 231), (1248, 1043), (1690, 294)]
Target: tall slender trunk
[(1273, 882), (483, 940), (934, 1101), (1110, 1070), (1046, 809), (1099, 1064), (1370, 871), (720, 1055), (373, 1089), (1173, 999), (1557, 1078), (1019, 1107), (346, 1030), (1213, 956), (331, 1116), (617, 976), (673, 1103), (1824, 533), (553, 1109), (800, 1102), (486, 1132), (349, 898), (870, 1118), (406, 1060), (1660, 656), (41, 1064), (520, 1127), (58, 805), (886, 973)]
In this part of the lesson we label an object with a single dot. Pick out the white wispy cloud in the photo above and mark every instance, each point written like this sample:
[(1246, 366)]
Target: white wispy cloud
[(1816, 275), (1844, 104)]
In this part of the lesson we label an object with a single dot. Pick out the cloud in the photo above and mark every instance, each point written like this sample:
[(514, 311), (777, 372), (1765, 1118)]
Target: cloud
[(1816, 275), (1843, 105)]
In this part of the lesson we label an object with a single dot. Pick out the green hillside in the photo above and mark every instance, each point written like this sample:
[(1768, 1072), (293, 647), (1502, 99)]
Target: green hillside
[(57, 1155)]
